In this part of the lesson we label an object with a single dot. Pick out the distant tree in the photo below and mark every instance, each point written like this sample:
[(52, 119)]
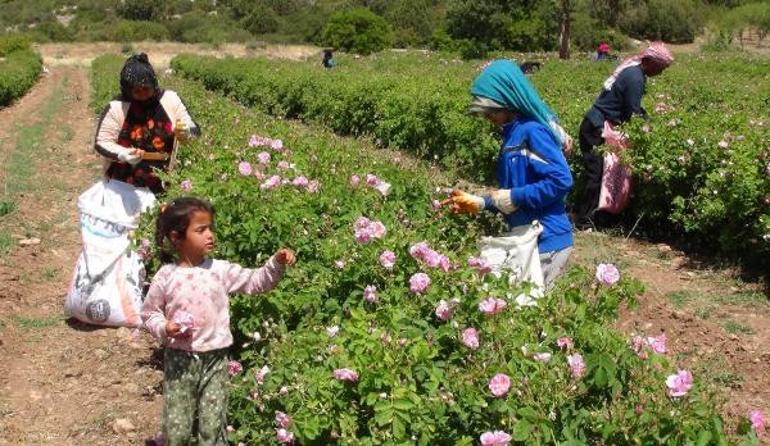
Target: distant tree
[(358, 30)]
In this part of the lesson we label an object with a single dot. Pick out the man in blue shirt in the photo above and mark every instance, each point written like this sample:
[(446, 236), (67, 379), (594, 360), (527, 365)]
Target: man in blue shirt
[(620, 99)]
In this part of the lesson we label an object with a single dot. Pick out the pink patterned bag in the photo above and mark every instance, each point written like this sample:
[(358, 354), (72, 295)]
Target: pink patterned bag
[(616, 178)]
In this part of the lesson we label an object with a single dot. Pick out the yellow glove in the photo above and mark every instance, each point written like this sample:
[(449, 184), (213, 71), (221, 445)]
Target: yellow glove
[(180, 130), (464, 203)]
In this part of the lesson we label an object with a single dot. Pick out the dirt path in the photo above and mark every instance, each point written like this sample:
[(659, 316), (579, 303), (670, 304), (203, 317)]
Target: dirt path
[(716, 325), (61, 383)]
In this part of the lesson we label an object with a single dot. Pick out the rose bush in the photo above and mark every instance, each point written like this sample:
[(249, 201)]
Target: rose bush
[(321, 365), (20, 67), (700, 163)]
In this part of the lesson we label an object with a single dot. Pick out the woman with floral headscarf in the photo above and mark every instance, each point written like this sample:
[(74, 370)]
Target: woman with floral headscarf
[(619, 100), (532, 172), (138, 130)]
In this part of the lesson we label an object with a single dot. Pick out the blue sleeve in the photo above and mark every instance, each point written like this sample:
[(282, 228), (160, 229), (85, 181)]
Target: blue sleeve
[(554, 179)]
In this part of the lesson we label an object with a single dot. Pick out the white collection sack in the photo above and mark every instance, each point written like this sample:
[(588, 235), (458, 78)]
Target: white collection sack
[(109, 276), (515, 253)]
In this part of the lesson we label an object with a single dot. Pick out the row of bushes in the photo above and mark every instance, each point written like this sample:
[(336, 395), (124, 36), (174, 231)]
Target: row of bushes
[(20, 67), (415, 375), (716, 198)]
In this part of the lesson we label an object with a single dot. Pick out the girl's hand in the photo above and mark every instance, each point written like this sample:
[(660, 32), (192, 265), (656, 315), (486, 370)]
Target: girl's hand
[(173, 329), (286, 257)]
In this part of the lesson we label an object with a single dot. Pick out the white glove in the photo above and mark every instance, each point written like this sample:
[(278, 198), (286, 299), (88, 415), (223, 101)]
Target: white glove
[(130, 156), (501, 198)]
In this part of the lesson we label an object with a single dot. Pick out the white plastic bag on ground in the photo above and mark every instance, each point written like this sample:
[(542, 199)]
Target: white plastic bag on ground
[(515, 253), (109, 276)]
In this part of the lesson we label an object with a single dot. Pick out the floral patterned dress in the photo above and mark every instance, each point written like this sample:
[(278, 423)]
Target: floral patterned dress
[(151, 130)]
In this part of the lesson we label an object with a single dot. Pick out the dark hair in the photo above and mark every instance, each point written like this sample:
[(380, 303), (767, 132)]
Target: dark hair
[(175, 217), (137, 71)]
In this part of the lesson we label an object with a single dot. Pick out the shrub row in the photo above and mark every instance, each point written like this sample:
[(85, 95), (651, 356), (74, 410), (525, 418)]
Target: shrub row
[(702, 162), (19, 69)]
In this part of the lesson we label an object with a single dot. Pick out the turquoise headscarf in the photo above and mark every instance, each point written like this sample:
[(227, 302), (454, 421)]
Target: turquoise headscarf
[(503, 82)]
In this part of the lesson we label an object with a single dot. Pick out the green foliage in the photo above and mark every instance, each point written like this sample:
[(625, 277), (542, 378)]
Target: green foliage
[(199, 27), (261, 21), (698, 193), (678, 21), (11, 43), (19, 70), (587, 33), (358, 31), (139, 10), (418, 383), (522, 25)]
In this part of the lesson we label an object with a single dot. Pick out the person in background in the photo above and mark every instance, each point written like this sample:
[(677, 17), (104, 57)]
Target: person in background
[(137, 131), (328, 60), (619, 100), (603, 51), (532, 172)]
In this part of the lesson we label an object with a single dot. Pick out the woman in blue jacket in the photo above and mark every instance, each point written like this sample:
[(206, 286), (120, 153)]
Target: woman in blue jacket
[(532, 172)]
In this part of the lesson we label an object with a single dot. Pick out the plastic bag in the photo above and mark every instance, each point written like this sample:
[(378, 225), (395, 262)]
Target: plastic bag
[(107, 283), (516, 253)]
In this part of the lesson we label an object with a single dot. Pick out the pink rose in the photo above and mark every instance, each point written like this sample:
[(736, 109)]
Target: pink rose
[(186, 185), (255, 141), (244, 168), (346, 375), (435, 204), (271, 183), (607, 274), (234, 368), (276, 145), (144, 250), (282, 420), (576, 365), (723, 144), (261, 374), (757, 420), (332, 331), (388, 259), (339, 264), (419, 283), (263, 157), (471, 338), (313, 186), (378, 229), (679, 384), (500, 384), (354, 180), (657, 343), (565, 343), (480, 265), (300, 181), (283, 165), (637, 344), (542, 357), (496, 438), (372, 180), (185, 320), (383, 188), (283, 436), (370, 294), (364, 230), (492, 305), (445, 310)]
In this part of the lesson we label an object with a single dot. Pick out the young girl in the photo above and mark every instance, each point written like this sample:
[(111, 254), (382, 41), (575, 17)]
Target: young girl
[(187, 308)]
